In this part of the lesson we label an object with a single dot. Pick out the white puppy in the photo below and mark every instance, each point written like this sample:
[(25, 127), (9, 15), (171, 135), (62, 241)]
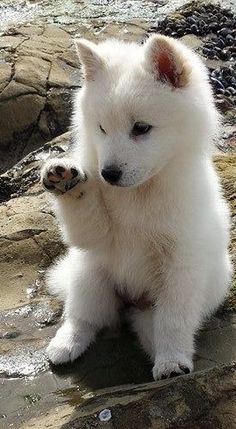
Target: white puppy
[(139, 203)]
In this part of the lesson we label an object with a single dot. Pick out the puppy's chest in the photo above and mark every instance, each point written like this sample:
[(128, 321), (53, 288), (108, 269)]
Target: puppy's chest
[(137, 250)]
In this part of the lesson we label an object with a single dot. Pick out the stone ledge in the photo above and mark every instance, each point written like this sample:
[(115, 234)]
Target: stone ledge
[(204, 400)]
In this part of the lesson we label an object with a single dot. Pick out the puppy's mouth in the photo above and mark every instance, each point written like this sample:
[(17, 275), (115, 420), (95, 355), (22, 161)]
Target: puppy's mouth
[(120, 184), (136, 181), (130, 184)]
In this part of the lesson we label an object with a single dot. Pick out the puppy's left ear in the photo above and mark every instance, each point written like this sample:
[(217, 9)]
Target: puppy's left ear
[(89, 58), (164, 58)]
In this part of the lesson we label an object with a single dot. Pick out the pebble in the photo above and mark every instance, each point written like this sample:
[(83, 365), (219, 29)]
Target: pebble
[(217, 84), (231, 90), (224, 82), (10, 335), (225, 55), (194, 28), (105, 415)]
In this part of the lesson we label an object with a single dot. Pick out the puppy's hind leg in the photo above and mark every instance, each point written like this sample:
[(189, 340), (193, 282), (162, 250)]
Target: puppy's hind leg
[(142, 325), (90, 304)]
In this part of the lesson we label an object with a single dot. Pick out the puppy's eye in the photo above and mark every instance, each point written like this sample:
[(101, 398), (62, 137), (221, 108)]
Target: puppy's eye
[(102, 129), (140, 128)]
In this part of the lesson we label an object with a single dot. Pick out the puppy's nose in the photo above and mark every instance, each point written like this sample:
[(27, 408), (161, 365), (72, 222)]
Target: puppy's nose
[(111, 174)]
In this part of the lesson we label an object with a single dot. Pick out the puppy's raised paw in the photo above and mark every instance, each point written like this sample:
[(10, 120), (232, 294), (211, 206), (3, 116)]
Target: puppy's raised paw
[(168, 368), (60, 175)]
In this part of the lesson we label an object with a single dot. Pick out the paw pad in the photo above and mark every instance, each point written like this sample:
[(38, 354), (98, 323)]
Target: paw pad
[(59, 178)]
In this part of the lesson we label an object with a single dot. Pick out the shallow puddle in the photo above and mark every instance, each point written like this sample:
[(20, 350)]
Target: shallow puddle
[(30, 387)]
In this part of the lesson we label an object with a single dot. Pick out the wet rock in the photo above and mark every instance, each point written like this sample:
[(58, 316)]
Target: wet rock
[(45, 124), (38, 61), (29, 240), (202, 400), (28, 363)]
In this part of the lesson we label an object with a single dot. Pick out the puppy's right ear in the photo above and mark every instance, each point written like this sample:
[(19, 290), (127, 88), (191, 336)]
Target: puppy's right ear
[(89, 58), (166, 61)]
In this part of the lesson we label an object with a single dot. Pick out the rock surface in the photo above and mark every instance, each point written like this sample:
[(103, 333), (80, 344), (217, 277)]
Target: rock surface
[(38, 75), (202, 401)]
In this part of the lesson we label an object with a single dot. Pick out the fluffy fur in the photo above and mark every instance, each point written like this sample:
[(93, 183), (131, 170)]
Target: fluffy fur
[(161, 235)]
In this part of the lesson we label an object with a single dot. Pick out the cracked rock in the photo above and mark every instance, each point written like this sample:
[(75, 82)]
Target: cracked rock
[(39, 70), (17, 115), (34, 71)]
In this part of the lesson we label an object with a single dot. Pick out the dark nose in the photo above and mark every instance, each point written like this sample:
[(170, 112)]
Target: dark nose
[(111, 174)]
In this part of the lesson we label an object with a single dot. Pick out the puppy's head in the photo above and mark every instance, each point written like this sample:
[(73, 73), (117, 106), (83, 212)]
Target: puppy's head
[(142, 106)]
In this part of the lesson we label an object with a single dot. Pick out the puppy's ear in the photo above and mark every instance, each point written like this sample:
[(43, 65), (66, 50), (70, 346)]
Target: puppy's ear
[(89, 58), (166, 61)]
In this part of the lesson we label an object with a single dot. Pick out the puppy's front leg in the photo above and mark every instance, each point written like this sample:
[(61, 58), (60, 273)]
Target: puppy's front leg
[(176, 319), (90, 304), (78, 202)]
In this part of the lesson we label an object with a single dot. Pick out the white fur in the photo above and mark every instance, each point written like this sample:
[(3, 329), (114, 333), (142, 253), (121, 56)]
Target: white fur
[(164, 231)]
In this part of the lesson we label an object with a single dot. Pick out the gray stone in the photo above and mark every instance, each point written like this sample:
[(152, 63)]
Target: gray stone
[(55, 32), (45, 45), (63, 75), (14, 89), (60, 101), (32, 72), (17, 115), (5, 72), (11, 41), (43, 124), (29, 30)]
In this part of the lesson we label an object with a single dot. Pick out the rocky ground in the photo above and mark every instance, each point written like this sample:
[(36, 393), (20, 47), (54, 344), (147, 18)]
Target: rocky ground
[(39, 72)]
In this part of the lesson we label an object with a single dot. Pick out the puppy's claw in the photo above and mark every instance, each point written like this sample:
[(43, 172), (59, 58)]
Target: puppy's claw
[(164, 369)]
